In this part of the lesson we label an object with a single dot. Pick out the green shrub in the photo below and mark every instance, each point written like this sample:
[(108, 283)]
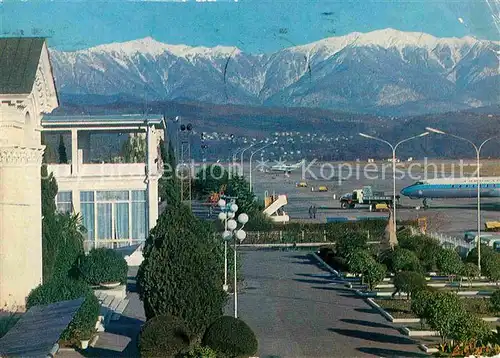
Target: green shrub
[(420, 301), (469, 326), (200, 352), (103, 266), (231, 337), (495, 301), (182, 272), (83, 324), (351, 243), (358, 261), (486, 251), (444, 313), (425, 247), (374, 274), (409, 282), (470, 271), (449, 262), (491, 267), (164, 336), (404, 260)]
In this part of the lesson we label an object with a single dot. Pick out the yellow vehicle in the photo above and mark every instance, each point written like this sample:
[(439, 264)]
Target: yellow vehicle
[(323, 188), (302, 184), (381, 207)]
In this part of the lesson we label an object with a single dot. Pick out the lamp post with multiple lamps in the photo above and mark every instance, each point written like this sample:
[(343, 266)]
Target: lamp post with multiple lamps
[(251, 156), (231, 232), (478, 178), (393, 147)]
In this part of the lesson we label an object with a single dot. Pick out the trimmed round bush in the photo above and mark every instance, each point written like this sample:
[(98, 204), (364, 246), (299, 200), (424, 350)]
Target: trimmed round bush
[(164, 336), (103, 266), (82, 326), (420, 301), (231, 337), (409, 282), (404, 260), (495, 301), (449, 262)]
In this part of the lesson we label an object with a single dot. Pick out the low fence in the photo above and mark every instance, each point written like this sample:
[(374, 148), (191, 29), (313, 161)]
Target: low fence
[(463, 247)]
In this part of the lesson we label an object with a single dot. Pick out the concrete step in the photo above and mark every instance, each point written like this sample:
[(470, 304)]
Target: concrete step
[(116, 301), (107, 301), (119, 310)]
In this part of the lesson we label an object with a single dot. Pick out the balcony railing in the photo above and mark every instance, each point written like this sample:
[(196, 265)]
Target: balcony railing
[(99, 170)]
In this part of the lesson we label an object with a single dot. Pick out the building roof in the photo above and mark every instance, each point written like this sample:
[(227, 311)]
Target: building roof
[(39, 329), (117, 120), (19, 57)]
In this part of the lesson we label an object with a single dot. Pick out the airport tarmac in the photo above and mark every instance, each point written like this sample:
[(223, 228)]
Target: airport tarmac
[(447, 216)]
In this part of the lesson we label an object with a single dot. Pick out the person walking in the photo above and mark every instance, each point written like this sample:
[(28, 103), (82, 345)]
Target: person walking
[(314, 209), (310, 212)]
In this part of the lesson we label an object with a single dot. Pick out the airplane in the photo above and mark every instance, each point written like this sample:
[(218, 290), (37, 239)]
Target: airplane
[(452, 188), (286, 168)]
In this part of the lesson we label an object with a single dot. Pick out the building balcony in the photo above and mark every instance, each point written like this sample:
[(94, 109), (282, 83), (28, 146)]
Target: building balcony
[(100, 170)]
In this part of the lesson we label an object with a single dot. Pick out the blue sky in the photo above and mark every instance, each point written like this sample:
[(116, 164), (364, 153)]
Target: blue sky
[(252, 25)]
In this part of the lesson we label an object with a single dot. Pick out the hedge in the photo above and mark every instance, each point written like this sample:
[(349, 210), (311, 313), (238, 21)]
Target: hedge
[(231, 337), (83, 324), (103, 265), (163, 336)]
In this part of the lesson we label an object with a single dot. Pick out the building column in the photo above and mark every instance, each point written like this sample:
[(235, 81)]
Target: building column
[(74, 152), (152, 202), (20, 224)]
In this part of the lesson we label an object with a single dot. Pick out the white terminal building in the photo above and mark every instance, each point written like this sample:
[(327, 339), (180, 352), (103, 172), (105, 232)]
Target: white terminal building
[(118, 201)]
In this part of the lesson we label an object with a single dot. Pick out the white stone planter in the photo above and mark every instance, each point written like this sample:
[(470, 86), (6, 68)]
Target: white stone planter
[(110, 285)]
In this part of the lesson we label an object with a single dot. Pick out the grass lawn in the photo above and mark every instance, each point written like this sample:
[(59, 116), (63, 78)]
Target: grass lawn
[(455, 289), (425, 327), (400, 308)]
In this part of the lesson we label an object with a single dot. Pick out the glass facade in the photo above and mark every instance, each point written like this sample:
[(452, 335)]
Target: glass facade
[(114, 215)]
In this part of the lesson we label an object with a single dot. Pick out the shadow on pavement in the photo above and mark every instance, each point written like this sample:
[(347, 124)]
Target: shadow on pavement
[(382, 352), (366, 323), (372, 336), (337, 288), (326, 276), (366, 310), (312, 282)]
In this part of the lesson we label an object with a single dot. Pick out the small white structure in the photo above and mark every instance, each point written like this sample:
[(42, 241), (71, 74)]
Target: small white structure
[(274, 208), (27, 91), (118, 202)]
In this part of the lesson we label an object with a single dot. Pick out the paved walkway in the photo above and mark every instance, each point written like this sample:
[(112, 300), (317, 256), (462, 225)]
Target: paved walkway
[(296, 311)]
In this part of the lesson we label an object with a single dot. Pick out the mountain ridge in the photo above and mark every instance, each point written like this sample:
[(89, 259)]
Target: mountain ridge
[(380, 72)]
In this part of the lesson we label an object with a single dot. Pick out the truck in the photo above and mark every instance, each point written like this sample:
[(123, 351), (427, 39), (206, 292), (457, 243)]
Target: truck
[(365, 196)]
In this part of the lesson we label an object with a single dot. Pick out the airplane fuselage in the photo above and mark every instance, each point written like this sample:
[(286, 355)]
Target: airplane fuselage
[(453, 188)]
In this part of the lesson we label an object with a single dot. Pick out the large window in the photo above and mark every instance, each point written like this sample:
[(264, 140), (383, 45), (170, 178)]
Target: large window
[(64, 203), (139, 214), (114, 215)]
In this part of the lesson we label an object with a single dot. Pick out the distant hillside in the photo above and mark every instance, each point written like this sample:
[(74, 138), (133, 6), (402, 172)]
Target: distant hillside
[(262, 122)]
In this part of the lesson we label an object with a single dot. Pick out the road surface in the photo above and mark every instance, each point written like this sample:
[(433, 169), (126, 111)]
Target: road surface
[(296, 311)]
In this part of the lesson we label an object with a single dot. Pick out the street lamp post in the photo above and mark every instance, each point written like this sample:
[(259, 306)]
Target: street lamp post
[(251, 156), (478, 178), (237, 235), (227, 214), (241, 156), (394, 147)]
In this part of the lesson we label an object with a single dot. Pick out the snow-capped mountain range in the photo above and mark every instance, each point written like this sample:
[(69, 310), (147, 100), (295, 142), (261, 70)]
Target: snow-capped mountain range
[(384, 71)]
